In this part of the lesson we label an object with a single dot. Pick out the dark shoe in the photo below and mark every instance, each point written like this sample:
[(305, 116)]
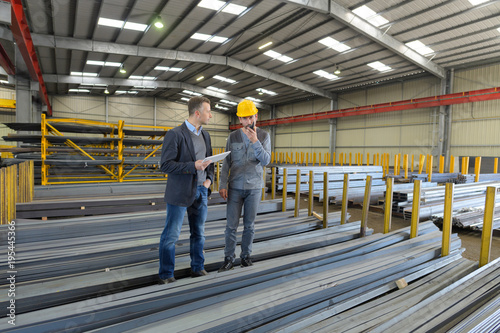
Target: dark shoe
[(168, 280), (228, 265), (245, 262), (199, 273)]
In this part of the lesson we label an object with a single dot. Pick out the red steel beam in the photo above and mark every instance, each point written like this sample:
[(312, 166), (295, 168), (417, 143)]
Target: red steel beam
[(22, 35), (5, 62), (416, 103)]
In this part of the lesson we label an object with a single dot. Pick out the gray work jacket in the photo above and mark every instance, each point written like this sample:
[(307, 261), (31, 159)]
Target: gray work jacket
[(243, 168)]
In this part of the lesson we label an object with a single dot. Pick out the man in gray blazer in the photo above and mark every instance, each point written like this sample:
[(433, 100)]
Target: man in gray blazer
[(188, 187)]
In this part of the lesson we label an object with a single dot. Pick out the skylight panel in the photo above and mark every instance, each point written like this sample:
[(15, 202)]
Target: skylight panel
[(84, 74), (217, 106), (225, 101), (420, 47), (253, 99), (370, 16), (379, 66), (120, 92), (110, 22), (189, 92), (217, 5), (477, 2), (278, 56), (218, 89), (104, 63), (132, 92), (334, 44), (208, 38), (135, 26), (264, 91), (168, 69), (185, 99), (326, 75), (79, 90), (218, 77), (138, 77)]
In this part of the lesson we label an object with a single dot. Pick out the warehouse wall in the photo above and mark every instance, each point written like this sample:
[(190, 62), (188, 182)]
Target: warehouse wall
[(135, 111), (6, 118)]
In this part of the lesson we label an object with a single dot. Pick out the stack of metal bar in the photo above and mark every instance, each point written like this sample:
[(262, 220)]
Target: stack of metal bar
[(470, 218), (432, 199)]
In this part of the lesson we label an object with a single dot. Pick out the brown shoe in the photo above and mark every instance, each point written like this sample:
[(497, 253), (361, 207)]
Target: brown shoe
[(167, 280), (199, 273)]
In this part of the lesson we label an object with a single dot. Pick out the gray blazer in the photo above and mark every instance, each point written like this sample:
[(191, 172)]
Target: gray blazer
[(177, 160)]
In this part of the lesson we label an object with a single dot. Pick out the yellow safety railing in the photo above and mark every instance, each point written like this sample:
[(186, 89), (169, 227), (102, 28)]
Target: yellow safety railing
[(17, 183)]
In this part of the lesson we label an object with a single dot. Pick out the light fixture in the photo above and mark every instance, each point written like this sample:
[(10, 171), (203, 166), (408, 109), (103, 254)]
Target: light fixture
[(122, 69), (158, 22), (261, 93), (265, 45), (106, 91), (337, 71), (200, 78)]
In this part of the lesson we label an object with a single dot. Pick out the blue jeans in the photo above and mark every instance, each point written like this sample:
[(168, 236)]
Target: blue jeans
[(236, 200), (197, 214)]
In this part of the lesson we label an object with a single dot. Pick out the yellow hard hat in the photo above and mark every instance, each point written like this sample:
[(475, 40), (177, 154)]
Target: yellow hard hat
[(246, 108)]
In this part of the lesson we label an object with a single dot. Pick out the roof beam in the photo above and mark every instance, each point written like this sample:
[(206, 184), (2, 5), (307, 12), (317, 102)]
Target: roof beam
[(356, 23), (68, 79), (151, 52)]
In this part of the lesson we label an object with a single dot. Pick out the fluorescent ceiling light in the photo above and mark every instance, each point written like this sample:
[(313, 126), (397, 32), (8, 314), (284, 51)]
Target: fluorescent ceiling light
[(169, 69), (379, 66), (265, 45), (253, 99), (189, 92), (119, 92), (216, 5), (264, 91), (218, 89), (104, 63), (79, 90), (135, 26), (420, 47), (225, 101), (218, 77), (200, 78), (209, 38), (132, 92), (279, 56), (326, 75), (477, 2), (110, 22), (95, 62), (370, 16), (138, 77), (185, 99), (334, 44), (83, 74)]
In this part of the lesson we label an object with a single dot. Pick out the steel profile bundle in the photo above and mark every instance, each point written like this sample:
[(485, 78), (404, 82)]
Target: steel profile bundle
[(471, 217), (281, 288)]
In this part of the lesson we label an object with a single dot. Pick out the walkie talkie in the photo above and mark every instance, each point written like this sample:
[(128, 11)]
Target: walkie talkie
[(252, 126)]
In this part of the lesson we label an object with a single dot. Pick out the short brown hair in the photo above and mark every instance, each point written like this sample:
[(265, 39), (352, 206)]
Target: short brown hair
[(195, 103)]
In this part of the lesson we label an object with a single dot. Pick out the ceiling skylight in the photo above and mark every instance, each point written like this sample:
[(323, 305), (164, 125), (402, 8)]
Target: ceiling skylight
[(370, 16), (218, 77), (217, 89), (225, 101), (209, 38), (216, 5), (253, 99), (264, 91), (420, 47), (185, 99), (121, 24), (138, 77), (217, 106), (79, 90), (168, 69), (477, 2), (326, 75), (104, 63), (379, 66), (189, 92), (83, 74), (334, 44), (278, 56)]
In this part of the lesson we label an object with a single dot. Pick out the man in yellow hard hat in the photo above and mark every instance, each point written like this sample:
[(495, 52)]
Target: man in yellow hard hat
[(241, 181)]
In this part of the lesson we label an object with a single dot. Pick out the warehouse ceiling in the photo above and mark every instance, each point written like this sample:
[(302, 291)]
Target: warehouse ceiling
[(275, 52)]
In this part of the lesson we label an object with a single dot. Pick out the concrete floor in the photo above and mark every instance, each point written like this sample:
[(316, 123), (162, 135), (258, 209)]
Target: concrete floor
[(471, 240)]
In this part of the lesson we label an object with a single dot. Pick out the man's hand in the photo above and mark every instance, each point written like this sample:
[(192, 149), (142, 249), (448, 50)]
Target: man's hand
[(207, 183), (200, 165), (251, 134), (223, 193)]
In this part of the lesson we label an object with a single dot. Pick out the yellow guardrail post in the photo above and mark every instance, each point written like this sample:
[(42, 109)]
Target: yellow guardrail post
[(3, 196), (121, 136), (273, 183), (487, 232), (405, 165), (421, 163), (388, 204), (350, 159), (430, 167), (415, 210), (284, 193), (495, 165), (441, 164), (412, 161), (366, 206), (311, 189), (345, 194), (477, 168), (44, 147), (447, 219), (452, 164), (325, 200), (297, 194)]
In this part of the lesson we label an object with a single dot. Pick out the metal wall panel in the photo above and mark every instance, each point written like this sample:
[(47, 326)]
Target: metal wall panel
[(4, 130), (82, 107), (7, 93)]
